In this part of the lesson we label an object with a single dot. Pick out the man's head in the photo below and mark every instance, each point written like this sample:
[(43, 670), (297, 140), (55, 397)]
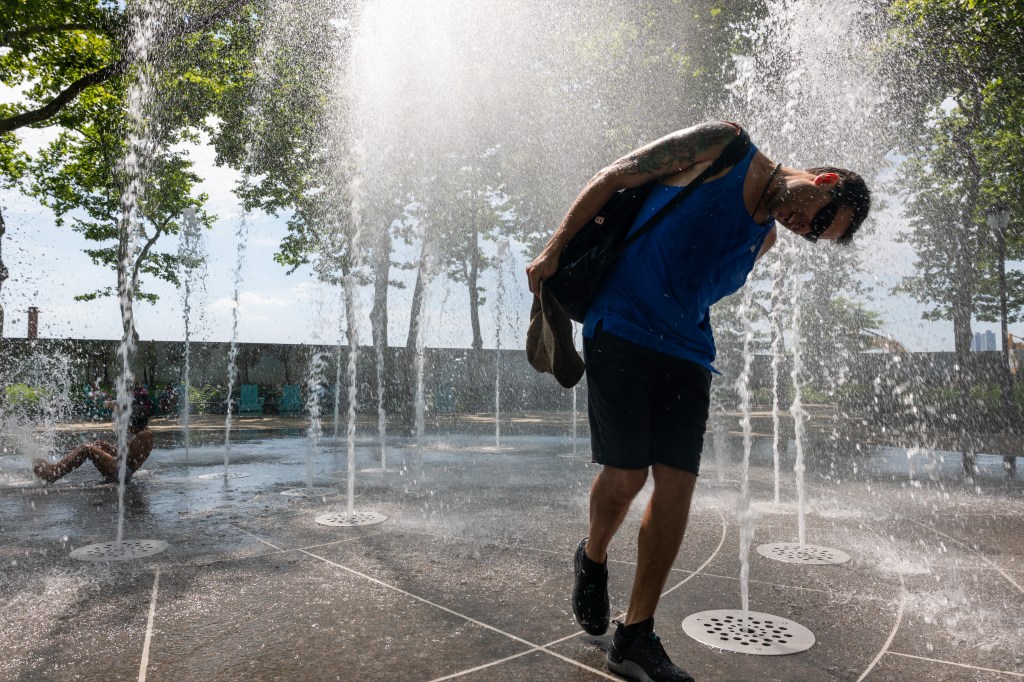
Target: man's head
[(851, 193), (822, 203)]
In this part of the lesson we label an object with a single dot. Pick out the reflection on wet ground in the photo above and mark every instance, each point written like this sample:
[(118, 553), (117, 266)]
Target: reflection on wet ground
[(470, 575)]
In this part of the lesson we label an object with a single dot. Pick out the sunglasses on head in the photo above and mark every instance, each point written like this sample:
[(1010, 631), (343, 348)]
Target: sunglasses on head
[(822, 220)]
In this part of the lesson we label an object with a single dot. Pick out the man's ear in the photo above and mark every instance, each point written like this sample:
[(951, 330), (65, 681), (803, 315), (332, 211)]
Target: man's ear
[(827, 179)]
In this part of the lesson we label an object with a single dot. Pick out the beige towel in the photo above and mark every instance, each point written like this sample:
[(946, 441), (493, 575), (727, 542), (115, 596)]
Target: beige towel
[(549, 344)]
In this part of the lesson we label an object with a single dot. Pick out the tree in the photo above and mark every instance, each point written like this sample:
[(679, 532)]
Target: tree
[(80, 172), (12, 167), (73, 61), (284, 127), (958, 66), (833, 332), (63, 48), (466, 206)]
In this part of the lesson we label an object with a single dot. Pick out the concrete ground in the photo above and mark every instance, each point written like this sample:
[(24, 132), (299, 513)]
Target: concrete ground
[(469, 577)]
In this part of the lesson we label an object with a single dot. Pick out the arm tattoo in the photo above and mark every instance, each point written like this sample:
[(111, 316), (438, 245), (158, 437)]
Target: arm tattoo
[(679, 150)]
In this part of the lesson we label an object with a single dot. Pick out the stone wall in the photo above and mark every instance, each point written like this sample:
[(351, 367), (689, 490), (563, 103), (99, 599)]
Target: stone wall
[(460, 378)]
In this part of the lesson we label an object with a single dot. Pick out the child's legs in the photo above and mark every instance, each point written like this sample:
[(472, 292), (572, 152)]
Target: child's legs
[(104, 462)]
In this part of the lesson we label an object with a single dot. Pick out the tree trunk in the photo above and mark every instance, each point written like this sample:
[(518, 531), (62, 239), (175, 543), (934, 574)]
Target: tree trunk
[(381, 279), (125, 293), (472, 279), (967, 254), (379, 313), (417, 297), (3, 278)]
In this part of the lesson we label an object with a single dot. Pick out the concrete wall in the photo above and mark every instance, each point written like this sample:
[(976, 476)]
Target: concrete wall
[(462, 376)]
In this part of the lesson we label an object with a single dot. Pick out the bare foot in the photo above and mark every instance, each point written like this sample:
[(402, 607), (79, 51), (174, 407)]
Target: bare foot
[(44, 471)]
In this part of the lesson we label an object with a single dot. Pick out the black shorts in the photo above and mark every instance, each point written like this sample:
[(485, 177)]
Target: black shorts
[(644, 406)]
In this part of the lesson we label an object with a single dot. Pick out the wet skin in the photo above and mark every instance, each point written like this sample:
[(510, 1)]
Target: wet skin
[(103, 456)]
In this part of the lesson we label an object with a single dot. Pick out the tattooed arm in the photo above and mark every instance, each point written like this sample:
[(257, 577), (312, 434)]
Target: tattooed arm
[(670, 155)]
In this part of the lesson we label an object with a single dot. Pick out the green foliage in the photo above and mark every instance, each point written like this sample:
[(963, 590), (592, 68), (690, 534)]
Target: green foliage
[(52, 44), (960, 71), (276, 108), (70, 58), (854, 398), (24, 398)]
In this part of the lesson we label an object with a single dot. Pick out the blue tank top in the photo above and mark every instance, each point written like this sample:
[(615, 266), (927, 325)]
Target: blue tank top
[(658, 294)]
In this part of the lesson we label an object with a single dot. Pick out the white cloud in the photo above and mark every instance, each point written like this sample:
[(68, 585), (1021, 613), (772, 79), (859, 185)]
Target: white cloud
[(248, 302)]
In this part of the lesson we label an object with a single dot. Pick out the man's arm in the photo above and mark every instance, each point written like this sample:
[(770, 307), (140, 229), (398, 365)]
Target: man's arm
[(769, 242), (672, 154), (669, 155)]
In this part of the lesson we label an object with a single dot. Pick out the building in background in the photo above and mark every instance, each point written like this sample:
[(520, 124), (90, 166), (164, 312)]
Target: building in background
[(984, 341)]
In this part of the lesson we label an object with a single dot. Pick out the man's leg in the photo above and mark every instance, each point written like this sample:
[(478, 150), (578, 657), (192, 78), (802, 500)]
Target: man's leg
[(661, 534), (611, 493)]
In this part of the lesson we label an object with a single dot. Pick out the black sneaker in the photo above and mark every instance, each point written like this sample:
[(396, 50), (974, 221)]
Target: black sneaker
[(590, 593), (637, 653)]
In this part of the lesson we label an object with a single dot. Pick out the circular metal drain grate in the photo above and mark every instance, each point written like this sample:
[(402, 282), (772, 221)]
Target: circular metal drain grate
[(359, 518), (313, 491), (763, 634), (119, 551), (231, 474), (793, 553)]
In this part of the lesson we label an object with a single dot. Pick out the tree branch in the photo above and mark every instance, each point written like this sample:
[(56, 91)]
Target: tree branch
[(143, 254), (53, 107), (14, 34)]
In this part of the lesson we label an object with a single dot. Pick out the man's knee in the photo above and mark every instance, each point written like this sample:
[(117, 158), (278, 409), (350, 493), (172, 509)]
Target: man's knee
[(671, 479), (623, 484)]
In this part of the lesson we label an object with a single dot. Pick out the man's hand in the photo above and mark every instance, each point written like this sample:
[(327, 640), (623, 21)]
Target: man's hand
[(542, 267)]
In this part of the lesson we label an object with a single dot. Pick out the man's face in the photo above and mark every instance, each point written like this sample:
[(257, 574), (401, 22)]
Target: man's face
[(800, 200)]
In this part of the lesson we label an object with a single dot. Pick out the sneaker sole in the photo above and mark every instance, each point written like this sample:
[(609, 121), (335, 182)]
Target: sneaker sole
[(628, 669)]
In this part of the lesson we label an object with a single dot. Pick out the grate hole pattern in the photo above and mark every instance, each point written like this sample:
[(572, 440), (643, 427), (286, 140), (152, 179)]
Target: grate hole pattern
[(359, 518), (119, 551), (760, 633), (231, 474), (794, 553), (753, 631)]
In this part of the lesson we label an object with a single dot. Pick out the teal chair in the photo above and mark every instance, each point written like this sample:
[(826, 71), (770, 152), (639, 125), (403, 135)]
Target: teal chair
[(291, 401), (250, 404), (444, 400)]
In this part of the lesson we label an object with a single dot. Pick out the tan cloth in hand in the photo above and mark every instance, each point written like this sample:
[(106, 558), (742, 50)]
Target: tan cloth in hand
[(549, 343)]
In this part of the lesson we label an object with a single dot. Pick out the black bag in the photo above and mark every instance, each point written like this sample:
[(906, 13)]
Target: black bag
[(590, 253)]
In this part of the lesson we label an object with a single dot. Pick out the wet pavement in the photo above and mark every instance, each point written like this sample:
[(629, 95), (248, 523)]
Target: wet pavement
[(469, 577)]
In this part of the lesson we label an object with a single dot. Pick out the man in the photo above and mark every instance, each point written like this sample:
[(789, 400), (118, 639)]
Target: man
[(648, 346)]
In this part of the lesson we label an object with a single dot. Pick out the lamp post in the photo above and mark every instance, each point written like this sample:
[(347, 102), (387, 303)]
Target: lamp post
[(998, 220)]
